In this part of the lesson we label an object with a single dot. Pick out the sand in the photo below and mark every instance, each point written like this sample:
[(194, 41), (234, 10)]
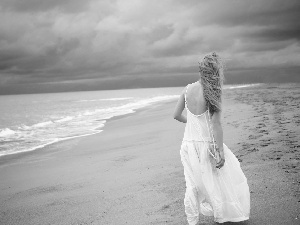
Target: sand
[(131, 172)]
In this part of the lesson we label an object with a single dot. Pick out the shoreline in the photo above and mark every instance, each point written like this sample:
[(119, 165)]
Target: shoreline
[(7, 159)]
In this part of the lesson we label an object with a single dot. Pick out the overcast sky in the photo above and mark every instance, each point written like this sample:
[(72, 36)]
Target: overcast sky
[(56, 45)]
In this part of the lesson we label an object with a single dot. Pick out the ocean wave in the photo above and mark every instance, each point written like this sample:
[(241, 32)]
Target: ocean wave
[(42, 124), (242, 86), (11, 152), (88, 113), (128, 108), (104, 99), (6, 132), (64, 119), (146, 102), (24, 127)]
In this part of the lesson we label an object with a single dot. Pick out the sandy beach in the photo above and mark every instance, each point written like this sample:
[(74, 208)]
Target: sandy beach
[(131, 172)]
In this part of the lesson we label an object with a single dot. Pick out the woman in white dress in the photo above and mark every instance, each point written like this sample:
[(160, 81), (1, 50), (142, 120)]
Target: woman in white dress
[(215, 184)]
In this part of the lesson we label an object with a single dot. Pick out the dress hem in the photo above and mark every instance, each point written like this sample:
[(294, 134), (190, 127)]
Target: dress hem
[(239, 219)]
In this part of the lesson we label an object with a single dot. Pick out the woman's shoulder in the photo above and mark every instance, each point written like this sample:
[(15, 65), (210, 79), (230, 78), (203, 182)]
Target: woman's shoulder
[(194, 86), (188, 87)]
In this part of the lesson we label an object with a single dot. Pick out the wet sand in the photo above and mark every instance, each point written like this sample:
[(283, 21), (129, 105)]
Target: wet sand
[(131, 172)]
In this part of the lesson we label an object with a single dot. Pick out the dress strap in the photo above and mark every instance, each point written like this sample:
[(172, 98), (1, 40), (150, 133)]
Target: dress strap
[(185, 100)]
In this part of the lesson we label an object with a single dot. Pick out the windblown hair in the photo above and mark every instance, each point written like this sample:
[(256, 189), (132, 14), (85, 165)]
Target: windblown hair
[(212, 77)]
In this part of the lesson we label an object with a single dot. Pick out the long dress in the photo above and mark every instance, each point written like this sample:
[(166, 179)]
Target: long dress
[(222, 193)]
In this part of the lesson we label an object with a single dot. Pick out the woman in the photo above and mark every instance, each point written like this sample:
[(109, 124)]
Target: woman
[(215, 184)]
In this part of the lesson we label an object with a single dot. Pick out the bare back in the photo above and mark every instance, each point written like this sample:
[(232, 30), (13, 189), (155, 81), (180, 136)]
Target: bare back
[(195, 101)]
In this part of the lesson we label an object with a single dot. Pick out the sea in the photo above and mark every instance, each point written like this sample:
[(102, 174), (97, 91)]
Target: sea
[(31, 121)]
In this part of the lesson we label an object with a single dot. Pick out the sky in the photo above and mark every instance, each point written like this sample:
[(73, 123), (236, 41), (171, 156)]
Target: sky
[(75, 45)]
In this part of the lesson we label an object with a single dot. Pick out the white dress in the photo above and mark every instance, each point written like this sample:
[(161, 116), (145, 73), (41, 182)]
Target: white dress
[(221, 193)]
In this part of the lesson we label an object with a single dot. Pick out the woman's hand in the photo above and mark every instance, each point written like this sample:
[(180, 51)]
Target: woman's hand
[(221, 163), (222, 157)]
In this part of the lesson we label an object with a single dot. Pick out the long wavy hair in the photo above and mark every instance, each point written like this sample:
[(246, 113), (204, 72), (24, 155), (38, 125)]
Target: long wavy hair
[(212, 78)]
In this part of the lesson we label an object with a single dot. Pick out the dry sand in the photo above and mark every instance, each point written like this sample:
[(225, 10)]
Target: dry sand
[(131, 172)]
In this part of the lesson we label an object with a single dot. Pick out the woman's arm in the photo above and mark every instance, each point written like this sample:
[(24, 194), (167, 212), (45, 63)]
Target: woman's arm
[(218, 135), (179, 108)]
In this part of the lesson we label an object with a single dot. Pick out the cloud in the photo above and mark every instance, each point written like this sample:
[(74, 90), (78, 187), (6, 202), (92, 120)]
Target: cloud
[(56, 41)]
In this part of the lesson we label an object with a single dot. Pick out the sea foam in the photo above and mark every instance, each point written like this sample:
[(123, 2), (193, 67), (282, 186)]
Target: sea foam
[(6, 132)]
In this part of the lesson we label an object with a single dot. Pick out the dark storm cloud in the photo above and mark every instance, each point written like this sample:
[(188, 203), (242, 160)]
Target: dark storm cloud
[(81, 41), (274, 34), (38, 5), (250, 13)]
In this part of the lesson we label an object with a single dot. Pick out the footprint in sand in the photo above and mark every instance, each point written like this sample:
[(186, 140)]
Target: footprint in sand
[(263, 131), (264, 145)]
